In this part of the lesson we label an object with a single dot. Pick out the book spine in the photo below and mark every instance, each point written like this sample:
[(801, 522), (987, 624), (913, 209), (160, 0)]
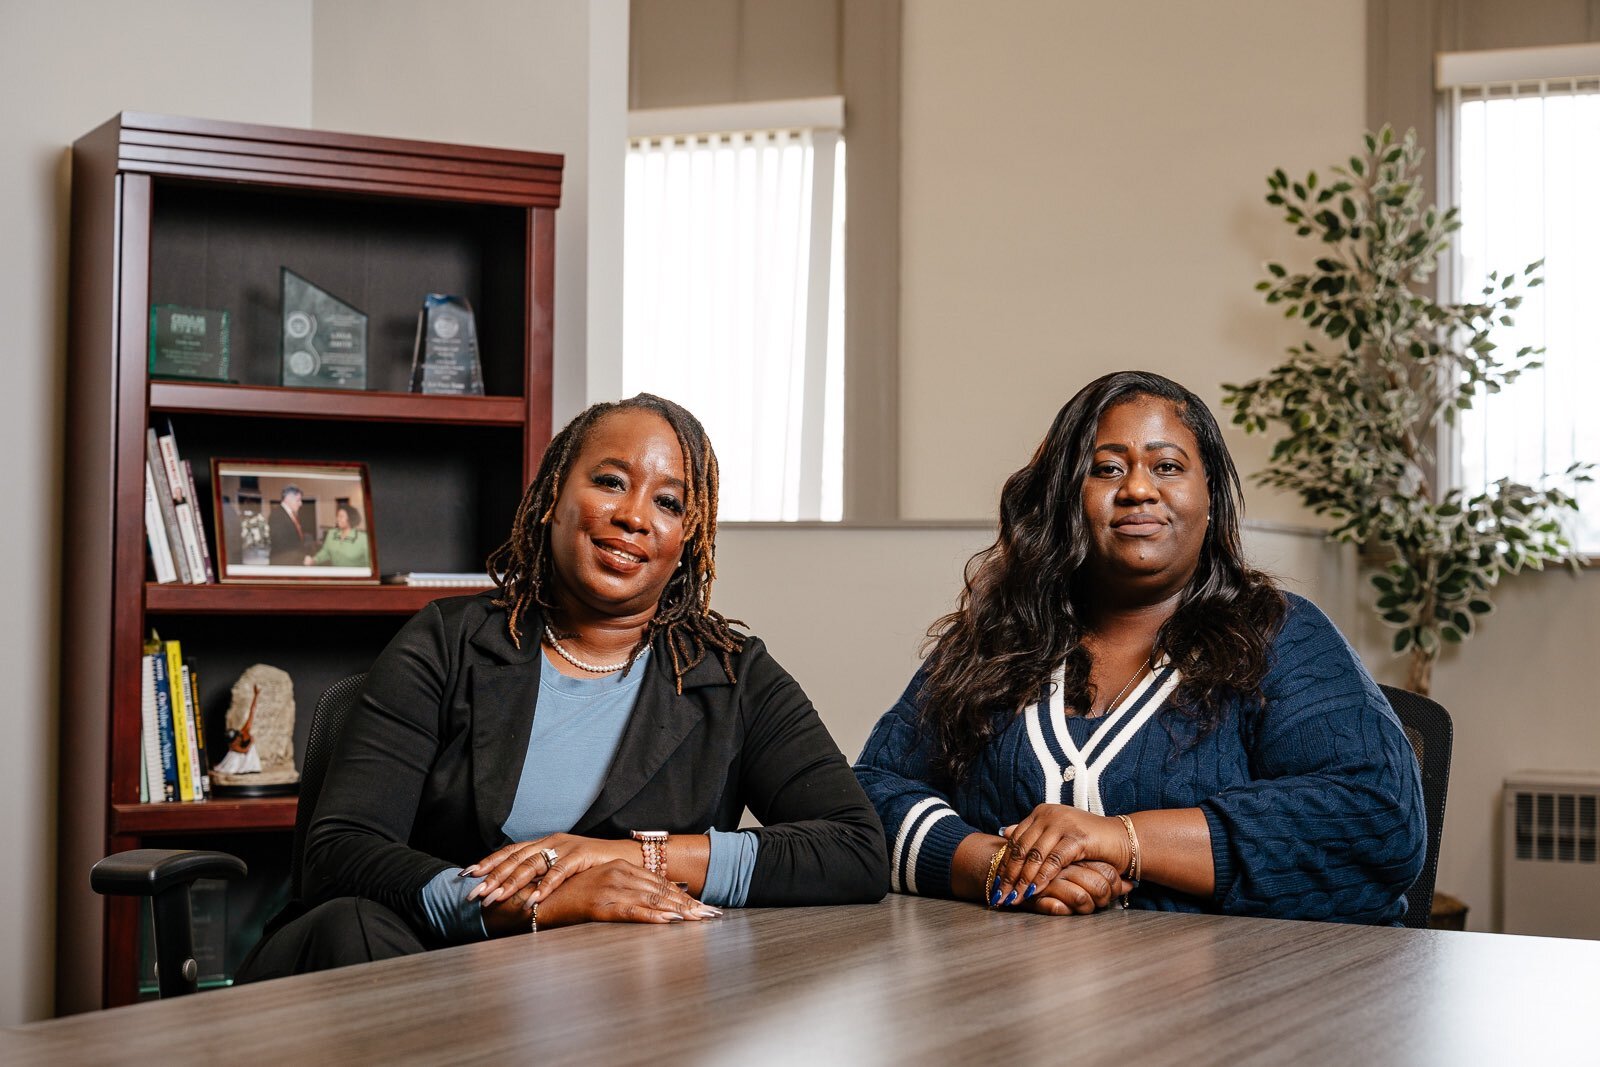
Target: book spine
[(169, 751), (192, 724), (168, 445), (156, 532), (189, 530), (169, 513), (200, 730), (144, 776), (180, 725), (149, 733), (199, 527), (183, 503)]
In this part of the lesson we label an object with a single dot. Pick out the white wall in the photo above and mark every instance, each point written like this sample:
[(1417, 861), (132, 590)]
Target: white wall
[(1082, 193), (66, 66)]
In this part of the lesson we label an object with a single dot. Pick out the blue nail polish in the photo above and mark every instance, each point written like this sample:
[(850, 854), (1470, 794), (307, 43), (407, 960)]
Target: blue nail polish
[(1011, 898), (1032, 889), (994, 901)]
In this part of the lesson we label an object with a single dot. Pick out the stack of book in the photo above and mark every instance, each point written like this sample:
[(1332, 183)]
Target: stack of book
[(178, 548), (172, 732)]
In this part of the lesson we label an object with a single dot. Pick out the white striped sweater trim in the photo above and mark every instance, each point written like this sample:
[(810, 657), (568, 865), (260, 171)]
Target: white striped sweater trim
[(908, 841), (1089, 765)]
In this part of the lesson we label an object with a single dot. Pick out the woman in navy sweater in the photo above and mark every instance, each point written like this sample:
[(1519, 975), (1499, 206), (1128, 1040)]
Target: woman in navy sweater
[(1121, 708)]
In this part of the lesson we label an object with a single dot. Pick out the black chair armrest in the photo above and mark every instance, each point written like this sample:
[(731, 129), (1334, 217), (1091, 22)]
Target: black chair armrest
[(146, 872)]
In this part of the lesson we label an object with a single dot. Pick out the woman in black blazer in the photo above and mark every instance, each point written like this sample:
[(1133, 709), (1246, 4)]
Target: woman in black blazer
[(578, 744)]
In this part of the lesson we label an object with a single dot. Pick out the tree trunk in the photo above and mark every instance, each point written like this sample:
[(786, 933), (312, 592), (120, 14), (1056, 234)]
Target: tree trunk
[(1420, 677)]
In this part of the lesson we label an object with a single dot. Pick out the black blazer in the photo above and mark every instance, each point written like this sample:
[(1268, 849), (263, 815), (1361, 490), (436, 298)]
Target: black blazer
[(427, 767)]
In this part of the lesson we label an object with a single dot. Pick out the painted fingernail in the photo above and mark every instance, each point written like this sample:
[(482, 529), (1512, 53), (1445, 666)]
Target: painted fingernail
[(1011, 898), (1032, 889), (708, 912), (478, 890), (994, 901), (496, 895), (674, 917)]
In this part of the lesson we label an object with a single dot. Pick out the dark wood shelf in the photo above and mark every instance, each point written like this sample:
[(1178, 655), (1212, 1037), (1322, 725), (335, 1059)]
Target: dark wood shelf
[(199, 213), (265, 599), (260, 813), (266, 401)]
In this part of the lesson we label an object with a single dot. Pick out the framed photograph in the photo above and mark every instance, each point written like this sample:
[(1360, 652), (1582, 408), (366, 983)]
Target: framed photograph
[(301, 521)]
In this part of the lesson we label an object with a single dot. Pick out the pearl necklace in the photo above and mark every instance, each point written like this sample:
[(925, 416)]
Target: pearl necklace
[(549, 635)]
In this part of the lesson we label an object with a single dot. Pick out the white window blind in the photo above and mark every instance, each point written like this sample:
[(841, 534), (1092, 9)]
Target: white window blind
[(1525, 170), (733, 304)]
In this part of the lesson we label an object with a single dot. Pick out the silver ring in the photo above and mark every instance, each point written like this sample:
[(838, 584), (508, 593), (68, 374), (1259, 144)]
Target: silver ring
[(550, 857)]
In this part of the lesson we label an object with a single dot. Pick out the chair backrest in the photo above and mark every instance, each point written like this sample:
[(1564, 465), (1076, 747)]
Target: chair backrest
[(327, 722), (1428, 727)]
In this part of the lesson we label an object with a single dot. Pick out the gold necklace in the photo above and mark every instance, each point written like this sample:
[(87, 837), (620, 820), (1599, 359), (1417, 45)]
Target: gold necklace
[(1137, 674)]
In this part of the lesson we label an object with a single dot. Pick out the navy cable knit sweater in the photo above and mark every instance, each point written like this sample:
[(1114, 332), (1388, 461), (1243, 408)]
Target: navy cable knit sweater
[(1314, 805)]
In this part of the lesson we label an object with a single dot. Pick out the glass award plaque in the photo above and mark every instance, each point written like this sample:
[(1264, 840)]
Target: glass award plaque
[(324, 338), (188, 343), (445, 360)]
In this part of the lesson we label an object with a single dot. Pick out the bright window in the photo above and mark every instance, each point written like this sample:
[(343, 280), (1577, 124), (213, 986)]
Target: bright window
[(1525, 170), (733, 296)]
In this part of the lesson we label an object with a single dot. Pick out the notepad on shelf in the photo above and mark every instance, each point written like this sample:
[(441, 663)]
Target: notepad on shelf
[(441, 579)]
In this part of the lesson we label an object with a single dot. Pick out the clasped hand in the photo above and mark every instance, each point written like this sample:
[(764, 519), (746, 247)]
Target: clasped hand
[(591, 880), (1062, 854)]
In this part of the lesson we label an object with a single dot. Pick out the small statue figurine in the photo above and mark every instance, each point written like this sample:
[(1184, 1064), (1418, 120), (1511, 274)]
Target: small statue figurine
[(260, 734)]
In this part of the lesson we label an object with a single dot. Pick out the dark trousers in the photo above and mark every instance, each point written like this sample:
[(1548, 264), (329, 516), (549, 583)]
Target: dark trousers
[(334, 934)]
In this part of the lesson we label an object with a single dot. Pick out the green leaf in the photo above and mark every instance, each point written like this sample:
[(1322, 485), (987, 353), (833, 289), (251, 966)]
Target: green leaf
[(1402, 641)]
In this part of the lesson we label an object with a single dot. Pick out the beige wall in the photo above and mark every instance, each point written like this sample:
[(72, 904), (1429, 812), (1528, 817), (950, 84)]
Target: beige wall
[(546, 75), (66, 67), (1082, 193)]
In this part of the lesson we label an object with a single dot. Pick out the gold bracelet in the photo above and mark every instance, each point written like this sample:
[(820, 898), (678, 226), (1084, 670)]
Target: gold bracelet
[(994, 869), (1134, 866), (533, 926)]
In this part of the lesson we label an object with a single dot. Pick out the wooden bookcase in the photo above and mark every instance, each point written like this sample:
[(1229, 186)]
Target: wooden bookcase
[(202, 214)]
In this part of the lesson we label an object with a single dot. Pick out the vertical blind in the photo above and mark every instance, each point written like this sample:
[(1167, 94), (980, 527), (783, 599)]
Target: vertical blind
[(733, 256), (1525, 172)]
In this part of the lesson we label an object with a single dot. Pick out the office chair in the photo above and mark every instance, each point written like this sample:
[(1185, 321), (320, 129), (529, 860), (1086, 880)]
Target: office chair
[(1427, 726), (165, 875)]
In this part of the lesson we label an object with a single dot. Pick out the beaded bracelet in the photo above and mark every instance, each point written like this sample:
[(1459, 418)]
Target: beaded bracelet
[(533, 925), (994, 869)]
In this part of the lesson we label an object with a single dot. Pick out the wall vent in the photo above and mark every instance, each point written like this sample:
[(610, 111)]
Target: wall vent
[(1551, 865)]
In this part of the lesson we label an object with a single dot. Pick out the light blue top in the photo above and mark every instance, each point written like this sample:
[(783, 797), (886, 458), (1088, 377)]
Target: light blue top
[(575, 736)]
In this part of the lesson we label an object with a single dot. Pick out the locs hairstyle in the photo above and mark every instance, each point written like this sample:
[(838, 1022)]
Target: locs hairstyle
[(1021, 613), (521, 566)]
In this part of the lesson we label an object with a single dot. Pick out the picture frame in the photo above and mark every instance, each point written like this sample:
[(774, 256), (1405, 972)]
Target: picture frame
[(294, 521)]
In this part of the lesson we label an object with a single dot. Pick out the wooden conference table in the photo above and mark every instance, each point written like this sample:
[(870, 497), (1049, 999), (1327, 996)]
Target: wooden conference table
[(907, 981)]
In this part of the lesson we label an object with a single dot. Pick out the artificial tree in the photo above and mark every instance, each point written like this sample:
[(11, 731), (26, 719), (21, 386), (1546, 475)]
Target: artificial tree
[(1362, 414)]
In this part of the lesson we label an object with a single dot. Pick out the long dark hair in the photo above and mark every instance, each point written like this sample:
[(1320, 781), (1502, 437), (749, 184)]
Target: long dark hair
[(1021, 614), (522, 566)]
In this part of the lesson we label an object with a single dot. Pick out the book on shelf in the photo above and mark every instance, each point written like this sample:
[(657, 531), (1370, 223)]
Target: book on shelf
[(161, 699), (200, 534), (176, 764), (155, 531), (202, 786), (441, 579), (180, 483), (149, 734), (169, 510)]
